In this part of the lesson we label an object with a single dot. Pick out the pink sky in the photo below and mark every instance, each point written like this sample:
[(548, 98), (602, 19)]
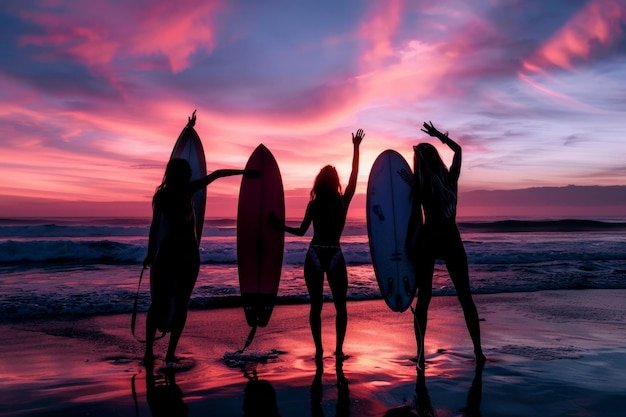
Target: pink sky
[(94, 94)]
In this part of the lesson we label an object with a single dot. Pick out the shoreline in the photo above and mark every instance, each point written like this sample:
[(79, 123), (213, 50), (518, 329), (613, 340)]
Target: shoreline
[(233, 302), (552, 353)]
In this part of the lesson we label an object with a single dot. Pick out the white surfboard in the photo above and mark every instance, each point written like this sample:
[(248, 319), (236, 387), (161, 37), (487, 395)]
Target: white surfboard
[(189, 146), (387, 210)]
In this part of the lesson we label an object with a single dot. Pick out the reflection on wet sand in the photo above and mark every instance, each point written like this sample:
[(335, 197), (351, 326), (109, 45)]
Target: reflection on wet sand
[(343, 392), (423, 404), (164, 396), (259, 399), (475, 394)]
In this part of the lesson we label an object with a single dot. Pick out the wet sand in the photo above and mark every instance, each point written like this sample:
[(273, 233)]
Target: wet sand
[(552, 353)]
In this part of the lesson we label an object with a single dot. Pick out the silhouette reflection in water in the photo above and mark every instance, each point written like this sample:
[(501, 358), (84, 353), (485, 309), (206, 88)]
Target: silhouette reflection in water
[(165, 398), (475, 394), (343, 392), (423, 404), (259, 397)]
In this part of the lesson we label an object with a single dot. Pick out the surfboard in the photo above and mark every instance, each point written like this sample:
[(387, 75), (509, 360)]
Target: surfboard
[(189, 147), (259, 245), (387, 212)]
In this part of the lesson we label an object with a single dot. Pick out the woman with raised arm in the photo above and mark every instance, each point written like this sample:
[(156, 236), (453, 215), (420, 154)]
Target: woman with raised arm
[(435, 235), (173, 252), (327, 211)]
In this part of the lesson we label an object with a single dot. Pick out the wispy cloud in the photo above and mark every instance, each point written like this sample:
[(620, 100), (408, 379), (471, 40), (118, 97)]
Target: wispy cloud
[(98, 33), (94, 94)]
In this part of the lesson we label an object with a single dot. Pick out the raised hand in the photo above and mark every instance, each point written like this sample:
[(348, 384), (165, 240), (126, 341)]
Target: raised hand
[(432, 131), (356, 139), (192, 120)]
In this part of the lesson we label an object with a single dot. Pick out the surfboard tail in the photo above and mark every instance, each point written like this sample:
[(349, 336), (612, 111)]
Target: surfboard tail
[(258, 308)]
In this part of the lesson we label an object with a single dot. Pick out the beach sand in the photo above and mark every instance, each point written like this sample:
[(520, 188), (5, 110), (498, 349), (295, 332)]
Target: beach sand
[(552, 353)]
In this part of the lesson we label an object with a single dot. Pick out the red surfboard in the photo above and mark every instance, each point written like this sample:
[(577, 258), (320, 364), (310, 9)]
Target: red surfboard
[(188, 146), (259, 245)]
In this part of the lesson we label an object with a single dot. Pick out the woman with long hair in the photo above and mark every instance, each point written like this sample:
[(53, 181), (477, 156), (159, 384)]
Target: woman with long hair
[(173, 252), (433, 234), (327, 211)]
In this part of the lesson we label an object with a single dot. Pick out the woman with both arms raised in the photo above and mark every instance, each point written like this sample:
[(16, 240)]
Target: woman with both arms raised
[(436, 235)]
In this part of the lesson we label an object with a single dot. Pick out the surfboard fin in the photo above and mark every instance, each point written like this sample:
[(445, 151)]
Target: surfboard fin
[(407, 286)]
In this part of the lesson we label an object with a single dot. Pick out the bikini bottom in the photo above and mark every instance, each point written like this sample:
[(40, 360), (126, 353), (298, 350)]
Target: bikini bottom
[(325, 257)]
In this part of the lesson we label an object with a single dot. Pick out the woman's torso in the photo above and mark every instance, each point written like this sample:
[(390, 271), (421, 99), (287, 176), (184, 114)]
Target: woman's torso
[(439, 233), (328, 216), (177, 217)]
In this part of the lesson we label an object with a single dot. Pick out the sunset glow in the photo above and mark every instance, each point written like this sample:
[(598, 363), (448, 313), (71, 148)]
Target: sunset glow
[(94, 94)]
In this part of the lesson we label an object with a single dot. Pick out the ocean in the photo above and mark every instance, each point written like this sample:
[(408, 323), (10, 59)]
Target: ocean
[(66, 267)]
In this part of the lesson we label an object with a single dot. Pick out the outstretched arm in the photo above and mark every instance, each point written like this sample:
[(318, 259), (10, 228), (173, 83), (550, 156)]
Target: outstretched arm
[(351, 188), (220, 173), (455, 168), (279, 224)]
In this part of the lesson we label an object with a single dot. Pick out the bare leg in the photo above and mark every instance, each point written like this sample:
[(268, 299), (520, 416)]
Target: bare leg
[(156, 295), (314, 282), (178, 324), (424, 268), (188, 277), (338, 282), (148, 357), (458, 270)]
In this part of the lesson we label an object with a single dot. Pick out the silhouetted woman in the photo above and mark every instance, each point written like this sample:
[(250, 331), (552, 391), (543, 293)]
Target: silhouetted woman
[(436, 235), (173, 252), (327, 211)]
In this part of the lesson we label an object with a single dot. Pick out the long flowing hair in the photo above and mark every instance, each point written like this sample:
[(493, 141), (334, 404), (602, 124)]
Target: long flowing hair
[(326, 183), (178, 171), (432, 179)]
